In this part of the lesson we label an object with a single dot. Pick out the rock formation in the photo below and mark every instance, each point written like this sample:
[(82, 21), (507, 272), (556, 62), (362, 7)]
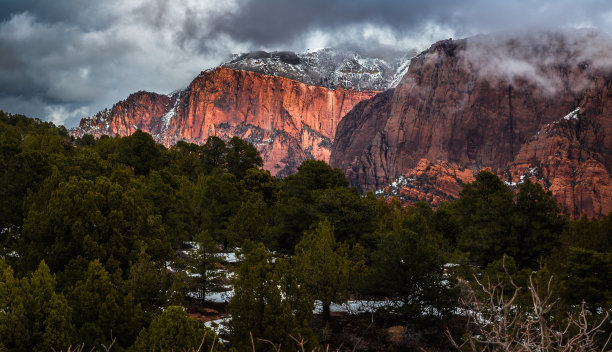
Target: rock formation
[(288, 121), (478, 103)]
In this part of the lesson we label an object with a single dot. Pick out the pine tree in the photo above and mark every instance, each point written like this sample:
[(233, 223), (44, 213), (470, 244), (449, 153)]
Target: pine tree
[(204, 275), (250, 221), (326, 268), (33, 317), (409, 267), (261, 307), (173, 330)]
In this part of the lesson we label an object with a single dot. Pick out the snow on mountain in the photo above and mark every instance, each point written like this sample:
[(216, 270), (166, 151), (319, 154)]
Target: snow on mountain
[(325, 67)]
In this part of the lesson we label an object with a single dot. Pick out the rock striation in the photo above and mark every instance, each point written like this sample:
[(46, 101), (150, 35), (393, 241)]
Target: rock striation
[(287, 120), (490, 102)]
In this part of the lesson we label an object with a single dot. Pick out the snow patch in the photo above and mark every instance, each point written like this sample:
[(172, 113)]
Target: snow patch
[(356, 307), (533, 171), (572, 115), (219, 326), (401, 71), (167, 117)]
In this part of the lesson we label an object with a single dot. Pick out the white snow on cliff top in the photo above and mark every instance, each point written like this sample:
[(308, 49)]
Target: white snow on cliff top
[(325, 67)]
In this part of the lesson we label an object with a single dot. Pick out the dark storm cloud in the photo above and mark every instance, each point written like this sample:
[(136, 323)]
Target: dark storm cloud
[(65, 59), (272, 22)]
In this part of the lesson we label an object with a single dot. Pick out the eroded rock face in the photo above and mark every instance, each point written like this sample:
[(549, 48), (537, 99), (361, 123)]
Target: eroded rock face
[(141, 110), (429, 182), (477, 103), (288, 121), (562, 158)]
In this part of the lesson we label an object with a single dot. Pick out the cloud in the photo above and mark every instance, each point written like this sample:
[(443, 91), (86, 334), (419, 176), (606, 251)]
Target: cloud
[(65, 58), (540, 58)]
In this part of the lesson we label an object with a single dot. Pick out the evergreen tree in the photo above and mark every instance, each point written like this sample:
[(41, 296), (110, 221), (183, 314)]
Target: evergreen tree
[(217, 199), (261, 306), (588, 275), (100, 309), (33, 316), (214, 152), (408, 267), (173, 330), (537, 225), (351, 215), (327, 269), (151, 285), (95, 219), (203, 273), (242, 156), (140, 151), (250, 222), (261, 182), (484, 212)]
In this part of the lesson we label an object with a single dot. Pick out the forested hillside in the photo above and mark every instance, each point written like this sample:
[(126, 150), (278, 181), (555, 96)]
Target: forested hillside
[(119, 241)]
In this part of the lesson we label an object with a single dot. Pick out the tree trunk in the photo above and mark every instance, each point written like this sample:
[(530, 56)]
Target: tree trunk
[(326, 312)]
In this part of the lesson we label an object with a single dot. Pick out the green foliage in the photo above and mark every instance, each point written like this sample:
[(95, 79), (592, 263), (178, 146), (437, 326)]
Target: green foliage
[(494, 221), (217, 199), (350, 215), (96, 219), (140, 151), (152, 286), (250, 222), (594, 234), (99, 308), (215, 154), (482, 212), (313, 175), (327, 269), (261, 305), (33, 316), (408, 267), (537, 225), (261, 182), (173, 330), (588, 275), (314, 193), (242, 156), (204, 274)]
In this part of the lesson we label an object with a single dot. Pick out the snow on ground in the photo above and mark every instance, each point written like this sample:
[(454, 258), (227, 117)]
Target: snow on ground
[(219, 326), (229, 257), (356, 307), (215, 297)]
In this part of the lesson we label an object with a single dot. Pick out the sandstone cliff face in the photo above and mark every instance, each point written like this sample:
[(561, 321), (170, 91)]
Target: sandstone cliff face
[(562, 158), (288, 121), (429, 182), (477, 103), (141, 110)]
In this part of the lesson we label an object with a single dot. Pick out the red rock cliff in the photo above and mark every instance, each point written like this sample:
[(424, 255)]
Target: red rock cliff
[(478, 103), (288, 121)]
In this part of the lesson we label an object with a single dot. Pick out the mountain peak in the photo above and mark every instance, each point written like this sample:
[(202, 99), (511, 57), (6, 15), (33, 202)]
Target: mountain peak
[(325, 67)]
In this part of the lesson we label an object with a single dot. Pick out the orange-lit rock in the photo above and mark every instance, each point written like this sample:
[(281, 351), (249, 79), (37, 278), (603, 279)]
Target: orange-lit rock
[(430, 182), (288, 121)]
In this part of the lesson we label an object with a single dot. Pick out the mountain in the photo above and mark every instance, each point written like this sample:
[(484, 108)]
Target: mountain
[(288, 105), (326, 67), (525, 106)]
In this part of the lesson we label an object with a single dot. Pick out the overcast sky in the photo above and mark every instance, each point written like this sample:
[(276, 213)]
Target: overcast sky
[(63, 60)]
